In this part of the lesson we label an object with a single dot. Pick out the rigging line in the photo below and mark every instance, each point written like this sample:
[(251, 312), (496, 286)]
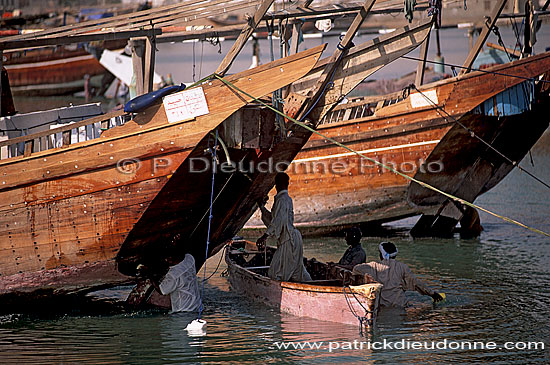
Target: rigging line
[(421, 183), (472, 133), (209, 220), (222, 254), (475, 69), (194, 80)]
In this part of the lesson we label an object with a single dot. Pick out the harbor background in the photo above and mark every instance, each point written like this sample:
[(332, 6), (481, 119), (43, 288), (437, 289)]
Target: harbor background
[(497, 286)]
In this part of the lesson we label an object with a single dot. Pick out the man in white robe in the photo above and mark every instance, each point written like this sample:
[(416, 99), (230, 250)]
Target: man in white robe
[(288, 261), (180, 282)]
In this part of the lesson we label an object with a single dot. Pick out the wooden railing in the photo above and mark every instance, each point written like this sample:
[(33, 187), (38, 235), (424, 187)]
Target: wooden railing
[(360, 107), (62, 136)]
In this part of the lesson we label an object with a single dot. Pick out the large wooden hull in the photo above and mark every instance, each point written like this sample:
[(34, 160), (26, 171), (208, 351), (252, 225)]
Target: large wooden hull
[(326, 302), (54, 71), (55, 77), (74, 207), (333, 188)]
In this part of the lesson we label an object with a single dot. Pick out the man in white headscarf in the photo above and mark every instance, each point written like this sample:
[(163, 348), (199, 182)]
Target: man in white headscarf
[(288, 261), (396, 277)]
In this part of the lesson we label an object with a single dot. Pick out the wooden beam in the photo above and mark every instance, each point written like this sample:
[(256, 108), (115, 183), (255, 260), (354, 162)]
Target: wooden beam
[(149, 68), (482, 37), (422, 63), (138, 52), (295, 40), (512, 52), (319, 87), (98, 36), (243, 37)]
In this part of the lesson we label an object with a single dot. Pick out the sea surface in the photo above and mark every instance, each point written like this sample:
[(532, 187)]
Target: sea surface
[(497, 289)]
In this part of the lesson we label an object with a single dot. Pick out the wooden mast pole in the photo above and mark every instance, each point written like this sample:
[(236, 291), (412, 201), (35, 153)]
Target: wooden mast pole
[(466, 67), (317, 91), (422, 63), (243, 37)]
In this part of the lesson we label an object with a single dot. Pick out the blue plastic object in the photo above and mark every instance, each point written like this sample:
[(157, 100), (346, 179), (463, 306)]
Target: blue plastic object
[(143, 101)]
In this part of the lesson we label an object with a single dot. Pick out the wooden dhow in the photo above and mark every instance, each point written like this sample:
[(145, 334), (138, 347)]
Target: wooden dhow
[(461, 135), (429, 134), (66, 212)]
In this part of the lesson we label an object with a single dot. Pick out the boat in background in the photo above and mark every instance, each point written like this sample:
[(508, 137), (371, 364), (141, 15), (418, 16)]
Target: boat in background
[(426, 134), (58, 70), (461, 135)]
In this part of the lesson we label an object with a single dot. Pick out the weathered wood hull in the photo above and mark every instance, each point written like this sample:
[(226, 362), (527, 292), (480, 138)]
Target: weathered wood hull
[(333, 188), (317, 301), (54, 71), (55, 77), (76, 206)]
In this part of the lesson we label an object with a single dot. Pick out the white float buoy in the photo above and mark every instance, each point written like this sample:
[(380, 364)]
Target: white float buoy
[(196, 328)]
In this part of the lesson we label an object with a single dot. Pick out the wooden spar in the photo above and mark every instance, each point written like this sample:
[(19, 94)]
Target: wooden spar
[(466, 67), (295, 40), (422, 63), (149, 67), (138, 51), (512, 52), (360, 62), (243, 37), (333, 62)]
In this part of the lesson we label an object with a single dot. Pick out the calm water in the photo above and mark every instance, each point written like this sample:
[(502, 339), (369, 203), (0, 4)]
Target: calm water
[(498, 289), (497, 286)]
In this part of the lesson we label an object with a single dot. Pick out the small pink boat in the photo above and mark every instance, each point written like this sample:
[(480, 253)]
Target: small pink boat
[(335, 294)]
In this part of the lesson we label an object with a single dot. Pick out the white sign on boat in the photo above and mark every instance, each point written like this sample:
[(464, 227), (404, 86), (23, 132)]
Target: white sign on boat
[(186, 104)]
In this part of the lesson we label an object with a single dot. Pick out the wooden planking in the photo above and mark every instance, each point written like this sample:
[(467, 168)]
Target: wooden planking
[(223, 101), (67, 230), (127, 141)]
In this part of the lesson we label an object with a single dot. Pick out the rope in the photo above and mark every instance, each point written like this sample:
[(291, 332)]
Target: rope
[(472, 133), (421, 183), (209, 219), (363, 320), (218, 266)]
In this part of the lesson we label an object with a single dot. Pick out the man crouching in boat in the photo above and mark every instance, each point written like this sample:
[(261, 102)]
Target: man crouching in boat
[(288, 261), (396, 277)]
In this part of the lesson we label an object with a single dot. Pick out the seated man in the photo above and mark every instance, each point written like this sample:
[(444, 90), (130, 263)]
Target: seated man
[(180, 282), (396, 277), (288, 261), (355, 254)]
